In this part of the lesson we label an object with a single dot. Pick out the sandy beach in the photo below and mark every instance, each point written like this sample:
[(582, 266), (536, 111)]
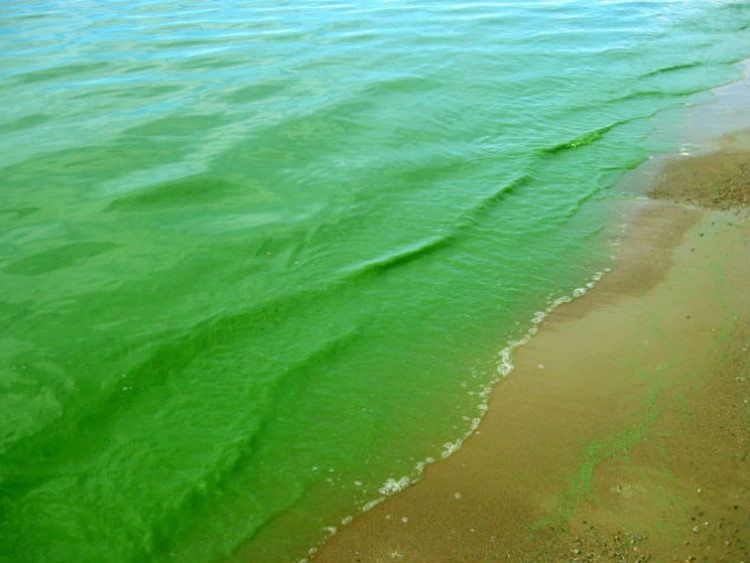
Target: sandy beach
[(623, 434)]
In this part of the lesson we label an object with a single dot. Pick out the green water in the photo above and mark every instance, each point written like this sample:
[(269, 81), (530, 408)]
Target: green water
[(259, 261)]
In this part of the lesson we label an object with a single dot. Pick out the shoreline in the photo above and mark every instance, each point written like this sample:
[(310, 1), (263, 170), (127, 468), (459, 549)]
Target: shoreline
[(623, 433), (618, 467)]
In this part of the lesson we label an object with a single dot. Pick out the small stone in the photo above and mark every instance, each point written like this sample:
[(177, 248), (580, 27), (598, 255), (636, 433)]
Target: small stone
[(696, 529)]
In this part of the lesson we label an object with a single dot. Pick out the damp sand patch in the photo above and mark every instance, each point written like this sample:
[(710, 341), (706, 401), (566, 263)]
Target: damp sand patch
[(718, 180)]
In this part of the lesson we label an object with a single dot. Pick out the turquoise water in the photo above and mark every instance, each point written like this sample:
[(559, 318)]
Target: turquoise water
[(259, 261)]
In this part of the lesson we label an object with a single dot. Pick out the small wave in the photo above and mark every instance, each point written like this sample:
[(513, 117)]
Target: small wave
[(585, 139), (426, 246), (473, 215), (429, 245), (669, 69), (399, 257)]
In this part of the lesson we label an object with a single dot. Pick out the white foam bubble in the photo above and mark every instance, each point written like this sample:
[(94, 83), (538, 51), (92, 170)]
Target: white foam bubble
[(393, 486), (368, 506), (449, 448), (505, 365)]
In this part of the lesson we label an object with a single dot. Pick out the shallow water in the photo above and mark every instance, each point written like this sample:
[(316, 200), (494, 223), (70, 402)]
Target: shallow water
[(258, 262)]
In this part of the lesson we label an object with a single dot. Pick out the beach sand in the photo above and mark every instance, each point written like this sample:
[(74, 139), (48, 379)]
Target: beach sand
[(623, 434)]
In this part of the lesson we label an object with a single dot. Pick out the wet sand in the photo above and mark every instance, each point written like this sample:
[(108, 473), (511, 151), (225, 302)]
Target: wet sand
[(623, 434)]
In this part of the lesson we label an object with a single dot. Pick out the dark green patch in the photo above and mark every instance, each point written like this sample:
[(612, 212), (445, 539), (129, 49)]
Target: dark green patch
[(195, 190), (57, 258)]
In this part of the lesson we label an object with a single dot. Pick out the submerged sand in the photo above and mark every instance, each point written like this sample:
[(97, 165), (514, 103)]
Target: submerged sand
[(624, 432)]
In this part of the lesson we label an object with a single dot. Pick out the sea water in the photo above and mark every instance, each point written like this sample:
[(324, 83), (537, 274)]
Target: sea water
[(261, 262)]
